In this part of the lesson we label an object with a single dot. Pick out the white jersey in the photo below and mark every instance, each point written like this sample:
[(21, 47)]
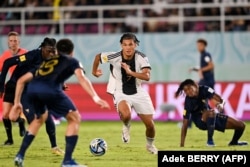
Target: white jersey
[(124, 83)]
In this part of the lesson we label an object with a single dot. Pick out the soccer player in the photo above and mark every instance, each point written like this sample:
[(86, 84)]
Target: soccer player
[(24, 63), (130, 67), (14, 50), (45, 92), (205, 118), (206, 70)]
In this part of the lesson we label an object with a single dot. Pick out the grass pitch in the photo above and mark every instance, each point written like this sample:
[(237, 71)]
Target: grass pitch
[(119, 154)]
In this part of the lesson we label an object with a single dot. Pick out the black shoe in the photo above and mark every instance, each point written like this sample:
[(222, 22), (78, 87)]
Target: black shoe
[(239, 143), (8, 142)]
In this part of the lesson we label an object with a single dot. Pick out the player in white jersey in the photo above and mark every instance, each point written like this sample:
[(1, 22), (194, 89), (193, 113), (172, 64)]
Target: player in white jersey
[(130, 68)]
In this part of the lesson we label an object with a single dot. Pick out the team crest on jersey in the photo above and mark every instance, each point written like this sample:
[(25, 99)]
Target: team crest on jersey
[(184, 112), (22, 58), (105, 59), (203, 101)]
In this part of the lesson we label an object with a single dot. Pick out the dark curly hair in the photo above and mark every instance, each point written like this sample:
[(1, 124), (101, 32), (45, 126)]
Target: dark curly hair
[(181, 86)]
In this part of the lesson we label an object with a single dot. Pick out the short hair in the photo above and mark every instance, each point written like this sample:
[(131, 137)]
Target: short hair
[(65, 46), (13, 33), (182, 84), (129, 36), (48, 42), (202, 41)]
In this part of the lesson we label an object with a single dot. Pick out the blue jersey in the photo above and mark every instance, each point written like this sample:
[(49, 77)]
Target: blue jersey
[(194, 106), (208, 76), (52, 73), (24, 63)]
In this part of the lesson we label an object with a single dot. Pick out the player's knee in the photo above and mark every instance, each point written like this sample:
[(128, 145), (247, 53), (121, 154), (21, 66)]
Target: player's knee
[(74, 117), (125, 115)]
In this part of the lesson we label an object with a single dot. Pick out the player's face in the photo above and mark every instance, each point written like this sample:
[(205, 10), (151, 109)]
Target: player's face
[(190, 90), (128, 48), (200, 47), (13, 42), (48, 52)]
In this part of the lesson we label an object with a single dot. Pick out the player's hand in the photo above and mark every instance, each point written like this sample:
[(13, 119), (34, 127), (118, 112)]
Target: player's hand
[(103, 104), (98, 73), (65, 87), (220, 106), (15, 111), (126, 68)]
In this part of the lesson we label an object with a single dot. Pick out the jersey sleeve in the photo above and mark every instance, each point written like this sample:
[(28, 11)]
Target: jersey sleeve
[(209, 92), (207, 58), (106, 56), (75, 64), (144, 62)]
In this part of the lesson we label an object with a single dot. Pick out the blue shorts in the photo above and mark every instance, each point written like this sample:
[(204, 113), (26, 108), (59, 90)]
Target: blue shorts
[(220, 122), (58, 102), (29, 114)]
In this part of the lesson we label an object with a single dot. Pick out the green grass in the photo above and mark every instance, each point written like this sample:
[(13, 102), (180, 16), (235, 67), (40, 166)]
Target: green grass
[(123, 155)]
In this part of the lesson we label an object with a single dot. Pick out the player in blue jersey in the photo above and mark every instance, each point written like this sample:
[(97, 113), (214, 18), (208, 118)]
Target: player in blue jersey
[(24, 63), (45, 92), (206, 70), (204, 117)]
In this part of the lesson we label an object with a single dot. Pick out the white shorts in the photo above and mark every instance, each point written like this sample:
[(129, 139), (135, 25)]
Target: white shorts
[(141, 101)]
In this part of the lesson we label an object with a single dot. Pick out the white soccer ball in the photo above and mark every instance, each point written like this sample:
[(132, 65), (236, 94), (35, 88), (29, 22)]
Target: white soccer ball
[(98, 146)]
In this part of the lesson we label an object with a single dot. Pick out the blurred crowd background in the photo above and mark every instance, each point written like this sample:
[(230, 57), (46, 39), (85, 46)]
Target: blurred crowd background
[(130, 23)]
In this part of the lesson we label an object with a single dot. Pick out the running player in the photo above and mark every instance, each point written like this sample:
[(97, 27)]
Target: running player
[(14, 50), (206, 70), (130, 67), (45, 92), (24, 63), (196, 106)]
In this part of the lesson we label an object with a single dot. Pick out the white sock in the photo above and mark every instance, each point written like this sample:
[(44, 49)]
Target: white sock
[(150, 140)]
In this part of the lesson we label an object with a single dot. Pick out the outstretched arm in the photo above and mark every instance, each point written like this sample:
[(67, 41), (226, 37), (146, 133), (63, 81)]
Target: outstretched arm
[(87, 86), (218, 101), (184, 132), (95, 71)]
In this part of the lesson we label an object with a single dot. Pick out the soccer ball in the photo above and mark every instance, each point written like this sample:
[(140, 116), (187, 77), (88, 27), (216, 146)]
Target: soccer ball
[(98, 146)]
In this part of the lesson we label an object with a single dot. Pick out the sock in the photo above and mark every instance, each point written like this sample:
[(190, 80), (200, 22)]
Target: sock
[(70, 146), (150, 140), (210, 128), (27, 140), (8, 128), (236, 136), (21, 123), (51, 131)]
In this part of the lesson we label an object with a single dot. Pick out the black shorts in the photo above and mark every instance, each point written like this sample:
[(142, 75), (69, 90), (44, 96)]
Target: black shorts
[(220, 122), (9, 92)]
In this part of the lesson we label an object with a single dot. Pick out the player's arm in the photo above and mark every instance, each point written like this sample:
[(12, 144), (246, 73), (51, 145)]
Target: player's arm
[(95, 71), (218, 101), (6, 65), (208, 67), (88, 87), (184, 131), (143, 75), (20, 86)]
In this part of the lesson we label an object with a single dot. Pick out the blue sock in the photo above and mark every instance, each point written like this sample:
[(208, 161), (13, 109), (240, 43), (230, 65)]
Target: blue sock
[(27, 140), (51, 131), (70, 146), (210, 128)]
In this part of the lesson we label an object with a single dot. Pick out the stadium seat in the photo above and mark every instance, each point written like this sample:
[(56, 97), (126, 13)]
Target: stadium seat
[(6, 30), (43, 29), (17, 29), (81, 28), (69, 28), (94, 28), (30, 29)]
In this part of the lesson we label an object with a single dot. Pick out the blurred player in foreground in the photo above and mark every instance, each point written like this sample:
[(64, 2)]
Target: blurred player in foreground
[(9, 92), (197, 108), (130, 67), (24, 63), (45, 92)]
